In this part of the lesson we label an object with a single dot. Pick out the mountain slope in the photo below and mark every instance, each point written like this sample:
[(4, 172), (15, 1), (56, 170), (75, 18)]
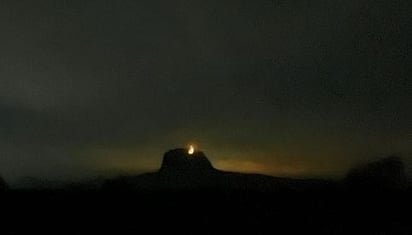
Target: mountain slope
[(183, 171)]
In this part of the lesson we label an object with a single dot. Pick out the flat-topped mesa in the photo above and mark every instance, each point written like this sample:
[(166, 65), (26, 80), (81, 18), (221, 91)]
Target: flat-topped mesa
[(184, 160)]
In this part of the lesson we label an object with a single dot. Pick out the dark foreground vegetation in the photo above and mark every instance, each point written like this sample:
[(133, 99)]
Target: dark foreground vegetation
[(359, 204), (325, 212)]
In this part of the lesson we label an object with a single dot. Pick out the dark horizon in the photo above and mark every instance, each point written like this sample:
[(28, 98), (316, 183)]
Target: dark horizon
[(284, 88), (96, 182)]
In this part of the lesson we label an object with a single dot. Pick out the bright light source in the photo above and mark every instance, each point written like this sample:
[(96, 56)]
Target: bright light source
[(191, 150)]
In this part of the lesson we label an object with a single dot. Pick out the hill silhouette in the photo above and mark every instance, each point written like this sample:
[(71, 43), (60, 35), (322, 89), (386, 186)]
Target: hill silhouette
[(181, 170), (180, 160), (187, 191), (385, 174)]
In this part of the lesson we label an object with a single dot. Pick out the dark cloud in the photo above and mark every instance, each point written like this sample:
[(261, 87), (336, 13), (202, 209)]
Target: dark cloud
[(99, 85)]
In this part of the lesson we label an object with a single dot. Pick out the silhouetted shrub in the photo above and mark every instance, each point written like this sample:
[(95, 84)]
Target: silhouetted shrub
[(3, 185), (387, 174)]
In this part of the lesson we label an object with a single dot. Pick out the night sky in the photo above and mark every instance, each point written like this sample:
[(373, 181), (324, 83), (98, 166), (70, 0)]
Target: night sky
[(283, 87)]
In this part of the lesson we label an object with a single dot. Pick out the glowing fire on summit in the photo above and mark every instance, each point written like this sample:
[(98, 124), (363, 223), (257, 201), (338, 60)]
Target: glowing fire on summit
[(191, 150)]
